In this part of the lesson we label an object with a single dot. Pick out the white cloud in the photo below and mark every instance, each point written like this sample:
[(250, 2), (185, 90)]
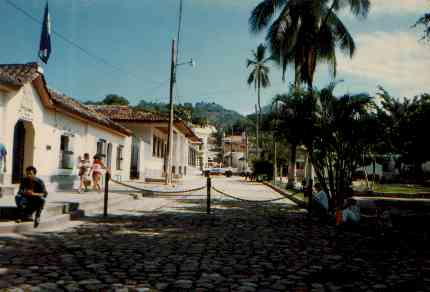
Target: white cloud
[(396, 59), (399, 6)]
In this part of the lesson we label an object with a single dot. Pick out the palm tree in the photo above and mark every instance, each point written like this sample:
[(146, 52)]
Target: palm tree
[(305, 33), (259, 76)]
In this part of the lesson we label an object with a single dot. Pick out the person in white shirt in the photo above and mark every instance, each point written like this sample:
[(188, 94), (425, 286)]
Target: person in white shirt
[(351, 213), (320, 200)]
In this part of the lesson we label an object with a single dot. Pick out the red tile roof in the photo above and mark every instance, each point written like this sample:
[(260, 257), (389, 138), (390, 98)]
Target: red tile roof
[(73, 106), (123, 113), (126, 113), (20, 74)]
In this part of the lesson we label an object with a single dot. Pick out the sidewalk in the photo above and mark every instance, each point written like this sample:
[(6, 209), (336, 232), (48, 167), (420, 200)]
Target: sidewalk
[(64, 206)]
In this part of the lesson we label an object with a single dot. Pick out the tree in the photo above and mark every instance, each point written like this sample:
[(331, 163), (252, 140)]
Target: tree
[(259, 76), (114, 99), (297, 110), (405, 123), (306, 33), (341, 132)]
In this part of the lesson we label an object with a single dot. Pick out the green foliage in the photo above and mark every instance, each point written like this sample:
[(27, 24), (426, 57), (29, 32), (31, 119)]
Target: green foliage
[(336, 131), (424, 21), (202, 113), (305, 33), (405, 124), (110, 99)]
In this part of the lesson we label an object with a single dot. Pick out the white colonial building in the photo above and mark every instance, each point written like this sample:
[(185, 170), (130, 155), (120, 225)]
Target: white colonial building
[(49, 130), (205, 150), (149, 142)]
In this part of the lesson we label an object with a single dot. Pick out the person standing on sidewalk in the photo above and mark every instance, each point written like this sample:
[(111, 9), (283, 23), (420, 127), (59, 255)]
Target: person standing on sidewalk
[(31, 196), (320, 202)]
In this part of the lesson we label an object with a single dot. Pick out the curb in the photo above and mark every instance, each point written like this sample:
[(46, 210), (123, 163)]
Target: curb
[(70, 214), (287, 194)]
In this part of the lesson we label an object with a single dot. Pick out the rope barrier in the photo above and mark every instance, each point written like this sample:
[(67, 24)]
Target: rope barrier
[(165, 193), (244, 200)]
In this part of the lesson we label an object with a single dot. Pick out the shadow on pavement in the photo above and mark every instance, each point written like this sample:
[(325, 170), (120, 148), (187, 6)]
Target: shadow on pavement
[(235, 249)]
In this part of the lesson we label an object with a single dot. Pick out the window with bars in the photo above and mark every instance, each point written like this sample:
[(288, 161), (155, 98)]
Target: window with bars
[(154, 146), (102, 149), (119, 157), (66, 153)]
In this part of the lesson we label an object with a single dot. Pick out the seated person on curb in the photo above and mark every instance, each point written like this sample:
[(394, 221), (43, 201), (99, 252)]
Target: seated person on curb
[(320, 201), (31, 196), (351, 212)]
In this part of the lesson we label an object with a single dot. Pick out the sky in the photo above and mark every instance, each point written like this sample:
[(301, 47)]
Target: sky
[(131, 40)]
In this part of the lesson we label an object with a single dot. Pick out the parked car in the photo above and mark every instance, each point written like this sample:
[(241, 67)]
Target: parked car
[(214, 171)]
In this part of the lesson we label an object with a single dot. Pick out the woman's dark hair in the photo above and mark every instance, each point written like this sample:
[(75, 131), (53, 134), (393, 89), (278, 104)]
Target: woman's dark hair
[(32, 169), (86, 155)]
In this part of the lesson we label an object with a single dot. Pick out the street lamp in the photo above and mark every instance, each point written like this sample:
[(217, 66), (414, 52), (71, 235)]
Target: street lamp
[(191, 62), (169, 154)]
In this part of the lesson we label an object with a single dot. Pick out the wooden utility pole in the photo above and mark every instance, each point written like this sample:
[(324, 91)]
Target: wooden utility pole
[(231, 148), (169, 154)]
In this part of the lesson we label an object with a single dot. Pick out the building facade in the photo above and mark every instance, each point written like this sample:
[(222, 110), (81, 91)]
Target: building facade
[(235, 148), (149, 142), (205, 149), (50, 130)]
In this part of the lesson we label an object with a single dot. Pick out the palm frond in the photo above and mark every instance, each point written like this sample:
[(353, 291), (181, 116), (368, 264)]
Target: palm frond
[(359, 8), (251, 77), (265, 81), (342, 35), (424, 21), (263, 14), (250, 62), (261, 53)]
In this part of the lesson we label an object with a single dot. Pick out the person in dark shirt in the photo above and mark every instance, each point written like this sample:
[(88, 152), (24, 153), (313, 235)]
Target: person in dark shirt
[(31, 196)]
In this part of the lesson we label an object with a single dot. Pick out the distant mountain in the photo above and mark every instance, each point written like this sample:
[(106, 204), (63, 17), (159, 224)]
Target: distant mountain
[(200, 113)]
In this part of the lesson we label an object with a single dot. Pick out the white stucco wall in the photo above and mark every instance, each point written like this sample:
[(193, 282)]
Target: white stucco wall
[(48, 128), (152, 166)]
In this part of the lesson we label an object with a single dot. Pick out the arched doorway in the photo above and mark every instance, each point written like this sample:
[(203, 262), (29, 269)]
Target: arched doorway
[(23, 148)]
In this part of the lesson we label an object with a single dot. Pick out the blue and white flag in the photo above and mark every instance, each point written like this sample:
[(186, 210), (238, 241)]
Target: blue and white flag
[(45, 38)]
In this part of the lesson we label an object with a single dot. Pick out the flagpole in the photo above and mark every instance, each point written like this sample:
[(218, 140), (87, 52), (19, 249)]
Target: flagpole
[(45, 37)]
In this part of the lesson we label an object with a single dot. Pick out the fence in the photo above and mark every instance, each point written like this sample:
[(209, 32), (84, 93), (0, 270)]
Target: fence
[(188, 193)]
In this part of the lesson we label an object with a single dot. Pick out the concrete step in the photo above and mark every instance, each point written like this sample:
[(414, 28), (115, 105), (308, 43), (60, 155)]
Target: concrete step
[(7, 190), (56, 214)]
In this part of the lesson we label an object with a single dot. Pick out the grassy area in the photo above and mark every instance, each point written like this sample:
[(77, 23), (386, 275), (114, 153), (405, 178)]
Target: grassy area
[(395, 188), (297, 194)]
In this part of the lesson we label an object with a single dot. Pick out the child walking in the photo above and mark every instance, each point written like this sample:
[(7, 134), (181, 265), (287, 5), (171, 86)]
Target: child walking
[(96, 170), (84, 173)]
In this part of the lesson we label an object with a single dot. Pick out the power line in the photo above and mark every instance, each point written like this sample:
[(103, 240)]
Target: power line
[(72, 43)]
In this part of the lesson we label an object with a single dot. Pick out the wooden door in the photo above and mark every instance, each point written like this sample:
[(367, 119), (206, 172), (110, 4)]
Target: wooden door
[(18, 152)]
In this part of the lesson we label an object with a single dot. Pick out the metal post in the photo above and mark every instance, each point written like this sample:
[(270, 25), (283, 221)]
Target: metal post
[(106, 198), (208, 200), (169, 154)]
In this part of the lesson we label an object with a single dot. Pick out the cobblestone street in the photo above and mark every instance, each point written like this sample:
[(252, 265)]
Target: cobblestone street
[(240, 247)]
